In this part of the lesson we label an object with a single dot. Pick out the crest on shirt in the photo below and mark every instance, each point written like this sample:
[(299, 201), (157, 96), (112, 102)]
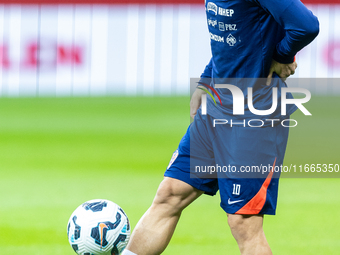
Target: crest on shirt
[(173, 158)]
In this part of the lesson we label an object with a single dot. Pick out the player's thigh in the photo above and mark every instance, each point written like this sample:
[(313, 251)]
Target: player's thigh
[(193, 150), (176, 193)]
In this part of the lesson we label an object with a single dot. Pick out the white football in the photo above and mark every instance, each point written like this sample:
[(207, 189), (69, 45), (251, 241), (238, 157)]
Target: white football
[(98, 227)]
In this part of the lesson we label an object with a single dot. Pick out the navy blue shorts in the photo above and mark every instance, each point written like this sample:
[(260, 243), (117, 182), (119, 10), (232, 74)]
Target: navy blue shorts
[(243, 163)]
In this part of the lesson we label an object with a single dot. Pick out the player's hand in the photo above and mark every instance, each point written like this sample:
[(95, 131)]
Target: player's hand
[(282, 70), (195, 102)]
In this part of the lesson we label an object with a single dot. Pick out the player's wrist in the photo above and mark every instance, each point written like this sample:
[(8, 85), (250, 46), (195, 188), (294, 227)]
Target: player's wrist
[(283, 59)]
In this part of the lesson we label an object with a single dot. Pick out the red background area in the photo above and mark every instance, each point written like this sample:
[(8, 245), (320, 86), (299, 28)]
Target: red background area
[(135, 1)]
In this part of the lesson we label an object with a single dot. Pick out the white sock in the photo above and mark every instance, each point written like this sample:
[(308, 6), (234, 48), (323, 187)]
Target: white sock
[(127, 252)]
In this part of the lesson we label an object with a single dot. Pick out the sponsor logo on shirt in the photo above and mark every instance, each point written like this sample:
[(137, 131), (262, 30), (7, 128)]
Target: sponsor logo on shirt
[(216, 38), (221, 26), (212, 22), (231, 40), (230, 27), (226, 27), (225, 12), (212, 7)]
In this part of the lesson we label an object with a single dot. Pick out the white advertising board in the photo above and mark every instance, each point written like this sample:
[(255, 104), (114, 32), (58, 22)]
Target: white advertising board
[(67, 50)]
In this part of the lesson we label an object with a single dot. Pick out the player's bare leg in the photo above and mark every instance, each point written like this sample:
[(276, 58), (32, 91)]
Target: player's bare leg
[(155, 229), (249, 234)]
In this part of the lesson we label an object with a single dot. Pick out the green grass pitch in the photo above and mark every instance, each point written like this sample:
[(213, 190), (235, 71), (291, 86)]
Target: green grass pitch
[(56, 153)]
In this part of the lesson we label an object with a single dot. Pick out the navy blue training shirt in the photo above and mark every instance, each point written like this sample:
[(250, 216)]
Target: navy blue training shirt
[(245, 36)]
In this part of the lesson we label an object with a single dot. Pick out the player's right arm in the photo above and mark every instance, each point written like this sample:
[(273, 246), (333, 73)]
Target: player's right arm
[(196, 98), (195, 102)]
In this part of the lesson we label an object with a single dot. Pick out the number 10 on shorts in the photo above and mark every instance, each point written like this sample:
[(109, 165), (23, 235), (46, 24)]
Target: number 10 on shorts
[(236, 189)]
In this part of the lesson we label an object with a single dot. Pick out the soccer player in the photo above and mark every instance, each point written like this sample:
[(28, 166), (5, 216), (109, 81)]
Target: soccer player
[(250, 40)]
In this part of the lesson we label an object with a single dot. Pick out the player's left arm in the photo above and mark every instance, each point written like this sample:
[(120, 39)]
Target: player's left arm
[(282, 70), (301, 28)]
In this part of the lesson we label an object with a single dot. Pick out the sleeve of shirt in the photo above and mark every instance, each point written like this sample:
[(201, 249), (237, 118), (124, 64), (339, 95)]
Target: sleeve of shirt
[(207, 73), (300, 24)]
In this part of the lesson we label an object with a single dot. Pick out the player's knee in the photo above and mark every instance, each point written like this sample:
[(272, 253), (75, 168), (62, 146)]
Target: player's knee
[(237, 227), (244, 227)]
